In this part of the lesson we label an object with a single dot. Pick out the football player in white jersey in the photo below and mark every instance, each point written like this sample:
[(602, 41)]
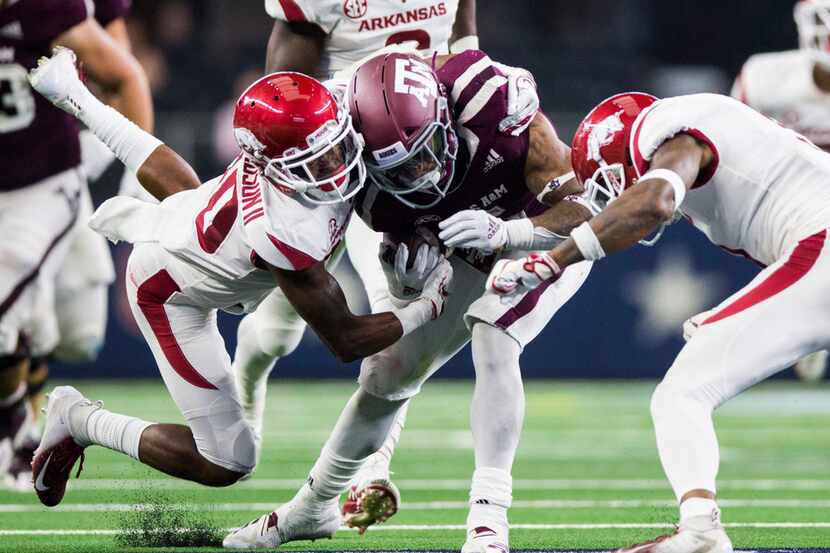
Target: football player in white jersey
[(793, 87), (275, 217), (752, 187), (322, 38)]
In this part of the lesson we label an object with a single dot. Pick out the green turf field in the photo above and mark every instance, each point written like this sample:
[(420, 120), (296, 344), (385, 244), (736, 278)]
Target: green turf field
[(587, 474)]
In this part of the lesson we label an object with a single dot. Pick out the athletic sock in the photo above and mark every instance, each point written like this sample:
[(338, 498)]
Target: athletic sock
[(332, 475), (90, 424), (491, 495), (377, 465), (699, 507)]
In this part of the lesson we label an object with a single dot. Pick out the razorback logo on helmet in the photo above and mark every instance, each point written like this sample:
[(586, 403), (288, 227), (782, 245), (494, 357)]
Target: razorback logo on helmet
[(602, 134), (415, 78), (355, 9)]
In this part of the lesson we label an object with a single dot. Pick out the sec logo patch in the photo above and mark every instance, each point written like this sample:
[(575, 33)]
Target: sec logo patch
[(355, 9)]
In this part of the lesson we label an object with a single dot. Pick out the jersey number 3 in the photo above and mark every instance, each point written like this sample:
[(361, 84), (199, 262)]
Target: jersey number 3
[(17, 105)]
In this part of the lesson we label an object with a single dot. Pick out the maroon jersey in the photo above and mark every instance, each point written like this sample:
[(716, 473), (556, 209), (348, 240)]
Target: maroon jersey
[(37, 140), (107, 11), (489, 171)]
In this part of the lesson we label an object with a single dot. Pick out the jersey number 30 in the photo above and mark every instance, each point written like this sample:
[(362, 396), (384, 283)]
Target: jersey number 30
[(17, 105)]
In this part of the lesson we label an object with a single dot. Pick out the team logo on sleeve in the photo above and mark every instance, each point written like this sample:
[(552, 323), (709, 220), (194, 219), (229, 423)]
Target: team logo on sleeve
[(355, 9), (415, 78)]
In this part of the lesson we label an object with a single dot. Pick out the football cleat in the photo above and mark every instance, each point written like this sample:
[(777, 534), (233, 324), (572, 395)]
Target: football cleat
[(18, 476), (58, 450), (369, 503), (299, 519), (486, 539), (701, 534), (57, 79)]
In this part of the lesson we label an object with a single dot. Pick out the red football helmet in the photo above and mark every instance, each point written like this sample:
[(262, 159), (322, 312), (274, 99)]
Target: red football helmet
[(600, 153), (400, 109), (294, 128), (812, 17)]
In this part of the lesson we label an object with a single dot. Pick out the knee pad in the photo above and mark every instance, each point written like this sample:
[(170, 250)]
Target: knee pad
[(226, 440), (280, 342), (384, 376), (667, 400)]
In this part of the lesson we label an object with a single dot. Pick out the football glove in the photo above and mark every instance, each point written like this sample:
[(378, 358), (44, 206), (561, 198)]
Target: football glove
[(406, 283), (474, 228), (522, 100), (521, 275)]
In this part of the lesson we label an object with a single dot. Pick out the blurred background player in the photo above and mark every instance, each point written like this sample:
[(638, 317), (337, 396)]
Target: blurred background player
[(320, 38), (793, 87), (42, 195)]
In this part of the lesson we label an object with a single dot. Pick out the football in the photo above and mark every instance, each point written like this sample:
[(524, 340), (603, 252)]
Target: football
[(421, 235)]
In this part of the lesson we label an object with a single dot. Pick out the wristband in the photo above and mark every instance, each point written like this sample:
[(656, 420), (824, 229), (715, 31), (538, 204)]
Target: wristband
[(587, 242), (469, 42), (414, 314), (519, 234), (673, 179), (555, 184)]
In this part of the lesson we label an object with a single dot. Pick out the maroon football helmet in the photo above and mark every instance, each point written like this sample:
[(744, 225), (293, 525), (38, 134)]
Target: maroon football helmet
[(400, 109), (600, 153), (294, 128)]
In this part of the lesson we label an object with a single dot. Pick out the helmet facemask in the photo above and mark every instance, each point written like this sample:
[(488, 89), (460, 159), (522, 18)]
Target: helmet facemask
[(812, 17), (323, 172), (426, 171)]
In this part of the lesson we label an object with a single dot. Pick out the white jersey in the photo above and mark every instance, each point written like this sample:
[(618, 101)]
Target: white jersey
[(356, 29), (766, 187), (781, 85), (226, 228)]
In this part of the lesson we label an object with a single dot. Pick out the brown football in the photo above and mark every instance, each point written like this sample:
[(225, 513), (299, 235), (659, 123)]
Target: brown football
[(421, 235)]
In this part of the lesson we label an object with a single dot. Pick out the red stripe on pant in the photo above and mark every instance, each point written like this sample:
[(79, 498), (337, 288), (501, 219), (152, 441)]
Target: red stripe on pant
[(800, 262), (152, 295), (525, 306)]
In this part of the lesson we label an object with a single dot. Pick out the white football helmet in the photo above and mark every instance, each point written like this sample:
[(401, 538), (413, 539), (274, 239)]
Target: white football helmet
[(813, 20)]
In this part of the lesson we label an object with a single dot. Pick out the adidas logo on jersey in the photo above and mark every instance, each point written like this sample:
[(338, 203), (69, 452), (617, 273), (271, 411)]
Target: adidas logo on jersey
[(12, 30), (493, 159)]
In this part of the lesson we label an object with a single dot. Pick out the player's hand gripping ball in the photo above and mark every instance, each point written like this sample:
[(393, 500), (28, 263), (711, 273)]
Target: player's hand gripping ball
[(408, 261)]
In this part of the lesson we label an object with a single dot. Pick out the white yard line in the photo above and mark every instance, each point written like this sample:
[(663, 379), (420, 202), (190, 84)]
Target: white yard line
[(427, 505), (460, 484), (453, 527)]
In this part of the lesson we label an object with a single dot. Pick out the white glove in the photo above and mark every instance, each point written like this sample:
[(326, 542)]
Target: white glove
[(521, 275), (407, 283), (522, 100), (57, 79), (430, 304), (691, 324), (474, 228)]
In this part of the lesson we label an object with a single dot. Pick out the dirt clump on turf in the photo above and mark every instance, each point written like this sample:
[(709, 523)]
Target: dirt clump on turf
[(159, 521)]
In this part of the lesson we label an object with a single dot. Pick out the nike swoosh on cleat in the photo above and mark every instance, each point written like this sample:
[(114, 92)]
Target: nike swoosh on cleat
[(39, 482)]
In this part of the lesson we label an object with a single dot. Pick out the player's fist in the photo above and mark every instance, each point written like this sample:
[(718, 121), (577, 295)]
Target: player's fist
[(522, 100), (520, 275), (473, 228)]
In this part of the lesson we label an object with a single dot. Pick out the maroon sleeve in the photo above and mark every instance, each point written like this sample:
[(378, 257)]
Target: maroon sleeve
[(55, 17), (107, 11)]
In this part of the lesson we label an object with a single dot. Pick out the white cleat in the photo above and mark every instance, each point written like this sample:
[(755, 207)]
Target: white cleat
[(57, 79), (490, 538), (299, 519), (812, 367), (58, 451), (702, 534)]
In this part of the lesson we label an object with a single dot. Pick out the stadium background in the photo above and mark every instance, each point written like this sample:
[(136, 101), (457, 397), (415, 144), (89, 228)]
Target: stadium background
[(626, 321)]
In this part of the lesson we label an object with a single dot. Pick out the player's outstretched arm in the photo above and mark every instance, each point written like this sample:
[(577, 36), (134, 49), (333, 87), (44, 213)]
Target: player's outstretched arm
[(113, 68), (642, 208), (317, 297), (294, 47), (159, 169), (464, 33)]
